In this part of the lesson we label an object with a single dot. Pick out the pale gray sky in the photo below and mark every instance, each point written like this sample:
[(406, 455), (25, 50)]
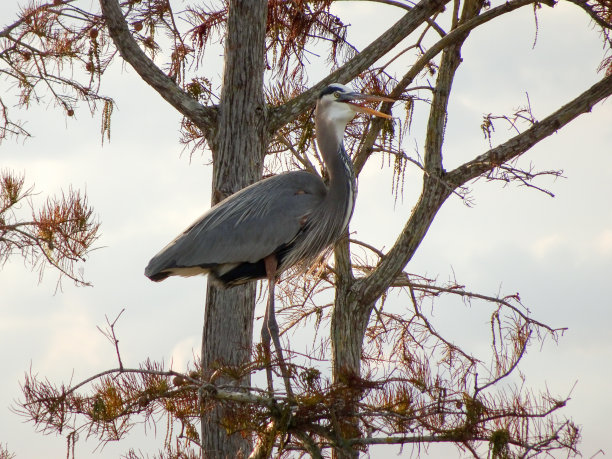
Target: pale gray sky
[(556, 252)]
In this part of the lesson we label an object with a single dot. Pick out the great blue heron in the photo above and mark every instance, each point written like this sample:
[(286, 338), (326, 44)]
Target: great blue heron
[(276, 223)]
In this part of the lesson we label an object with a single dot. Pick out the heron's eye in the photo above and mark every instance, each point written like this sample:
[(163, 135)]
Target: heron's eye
[(337, 94)]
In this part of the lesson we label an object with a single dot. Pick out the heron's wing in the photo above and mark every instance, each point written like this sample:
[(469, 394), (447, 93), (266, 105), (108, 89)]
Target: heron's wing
[(247, 226)]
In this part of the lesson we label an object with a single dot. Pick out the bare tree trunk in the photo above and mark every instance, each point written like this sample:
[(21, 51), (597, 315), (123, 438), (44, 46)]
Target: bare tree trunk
[(348, 327), (238, 145), (226, 340)]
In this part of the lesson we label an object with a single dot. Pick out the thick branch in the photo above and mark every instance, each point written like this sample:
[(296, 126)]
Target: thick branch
[(203, 117), (524, 141), (378, 48), (401, 440)]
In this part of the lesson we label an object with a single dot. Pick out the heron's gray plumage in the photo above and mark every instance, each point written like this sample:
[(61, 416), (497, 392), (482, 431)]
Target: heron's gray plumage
[(287, 198), (293, 216)]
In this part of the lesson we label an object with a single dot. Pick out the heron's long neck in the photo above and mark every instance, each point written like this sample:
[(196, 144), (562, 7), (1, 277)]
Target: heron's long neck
[(342, 186)]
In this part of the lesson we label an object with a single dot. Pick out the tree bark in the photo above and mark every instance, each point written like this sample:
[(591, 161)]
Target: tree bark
[(226, 341), (238, 146), (348, 327)]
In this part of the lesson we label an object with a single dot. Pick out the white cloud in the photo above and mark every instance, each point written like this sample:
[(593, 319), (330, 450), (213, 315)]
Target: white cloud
[(544, 246), (72, 337), (184, 351), (603, 243)]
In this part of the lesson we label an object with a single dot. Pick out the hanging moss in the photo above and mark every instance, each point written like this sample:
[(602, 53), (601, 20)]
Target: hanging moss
[(499, 444), (474, 409)]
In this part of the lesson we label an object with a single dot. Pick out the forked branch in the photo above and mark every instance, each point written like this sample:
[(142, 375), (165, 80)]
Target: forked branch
[(446, 40)]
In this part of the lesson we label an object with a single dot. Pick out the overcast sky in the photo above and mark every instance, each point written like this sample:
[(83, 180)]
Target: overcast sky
[(557, 253)]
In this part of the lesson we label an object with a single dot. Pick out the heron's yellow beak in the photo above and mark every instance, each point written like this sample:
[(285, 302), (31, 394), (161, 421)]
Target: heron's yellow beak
[(368, 110)]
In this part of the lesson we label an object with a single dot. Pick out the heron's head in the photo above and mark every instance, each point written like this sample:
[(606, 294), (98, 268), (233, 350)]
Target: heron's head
[(337, 105)]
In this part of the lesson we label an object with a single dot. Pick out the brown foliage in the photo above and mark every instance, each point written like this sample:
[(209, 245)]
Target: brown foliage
[(408, 405), (37, 50), (61, 233)]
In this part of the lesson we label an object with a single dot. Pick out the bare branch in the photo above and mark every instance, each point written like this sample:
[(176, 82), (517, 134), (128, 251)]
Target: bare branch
[(408, 7), (597, 12), (109, 334)]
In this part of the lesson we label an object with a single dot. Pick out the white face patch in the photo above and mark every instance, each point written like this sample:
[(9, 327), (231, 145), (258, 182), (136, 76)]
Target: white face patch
[(337, 114)]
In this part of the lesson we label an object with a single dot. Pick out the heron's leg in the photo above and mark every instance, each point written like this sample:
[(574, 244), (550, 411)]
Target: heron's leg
[(271, 264), (265, 343)]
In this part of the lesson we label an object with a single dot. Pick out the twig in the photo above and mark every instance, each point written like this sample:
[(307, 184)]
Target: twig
[(109, 333)]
